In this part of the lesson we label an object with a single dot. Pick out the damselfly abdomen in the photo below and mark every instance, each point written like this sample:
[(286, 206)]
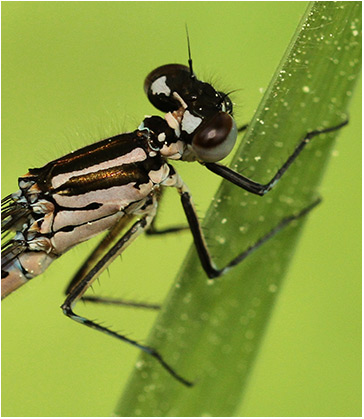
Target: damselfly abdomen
[(115, 185)]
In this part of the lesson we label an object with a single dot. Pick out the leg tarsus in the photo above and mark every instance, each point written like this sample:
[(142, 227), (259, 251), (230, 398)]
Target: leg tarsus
[(171, 371), (67, 310)]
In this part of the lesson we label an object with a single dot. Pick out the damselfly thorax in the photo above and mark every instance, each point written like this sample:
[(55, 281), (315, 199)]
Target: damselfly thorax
[(114, 186), (88, 191)]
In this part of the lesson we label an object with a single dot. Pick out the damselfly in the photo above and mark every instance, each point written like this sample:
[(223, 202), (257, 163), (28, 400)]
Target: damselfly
[(115, 186)]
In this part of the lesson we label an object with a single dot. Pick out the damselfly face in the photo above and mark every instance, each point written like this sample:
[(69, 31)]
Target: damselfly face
[(200, 115)]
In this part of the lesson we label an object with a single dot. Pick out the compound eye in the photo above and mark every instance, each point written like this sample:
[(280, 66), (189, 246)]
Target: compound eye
[(215, 138)]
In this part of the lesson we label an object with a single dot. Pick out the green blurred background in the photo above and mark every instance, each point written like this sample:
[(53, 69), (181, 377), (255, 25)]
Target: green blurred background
[(72, 73)]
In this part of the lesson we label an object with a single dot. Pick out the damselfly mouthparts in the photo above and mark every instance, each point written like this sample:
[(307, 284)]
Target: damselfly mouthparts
[(115, 185)]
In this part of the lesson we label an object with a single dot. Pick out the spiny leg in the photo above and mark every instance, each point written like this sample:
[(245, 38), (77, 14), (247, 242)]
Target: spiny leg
[(80, 288), (153, 230), (100, 250), (206, 261), (261, 189)]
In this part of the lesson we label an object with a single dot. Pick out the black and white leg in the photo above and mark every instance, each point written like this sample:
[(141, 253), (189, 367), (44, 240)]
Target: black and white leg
[(261, 189), (79, 288)]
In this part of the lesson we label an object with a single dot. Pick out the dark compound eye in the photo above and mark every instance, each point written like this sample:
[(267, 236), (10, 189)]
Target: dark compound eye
[(215, 138)]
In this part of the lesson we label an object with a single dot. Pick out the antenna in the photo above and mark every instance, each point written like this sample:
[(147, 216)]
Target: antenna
[(189, 54)]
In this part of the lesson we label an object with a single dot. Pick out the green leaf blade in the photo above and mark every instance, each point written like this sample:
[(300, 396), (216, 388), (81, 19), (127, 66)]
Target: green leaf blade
[(211, 331)]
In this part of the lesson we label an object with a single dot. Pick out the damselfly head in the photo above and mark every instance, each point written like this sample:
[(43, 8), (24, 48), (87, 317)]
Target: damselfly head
[(200, 115)]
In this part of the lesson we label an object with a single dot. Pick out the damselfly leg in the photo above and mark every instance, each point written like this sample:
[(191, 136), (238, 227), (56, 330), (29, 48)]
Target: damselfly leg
[(79, 288), (154, 230), (243, 128), (259, 188), (200, 243), (120, 302), (102, 248), (82, 283)]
